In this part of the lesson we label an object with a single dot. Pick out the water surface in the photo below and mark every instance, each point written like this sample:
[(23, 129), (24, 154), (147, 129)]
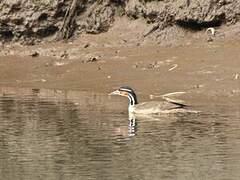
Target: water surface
[(54, 134)]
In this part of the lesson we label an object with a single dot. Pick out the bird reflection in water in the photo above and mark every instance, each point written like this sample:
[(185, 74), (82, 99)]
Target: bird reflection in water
[(132, 126)]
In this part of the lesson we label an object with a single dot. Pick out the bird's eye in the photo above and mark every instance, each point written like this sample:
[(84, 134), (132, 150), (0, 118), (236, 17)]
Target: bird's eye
[(124, 93)]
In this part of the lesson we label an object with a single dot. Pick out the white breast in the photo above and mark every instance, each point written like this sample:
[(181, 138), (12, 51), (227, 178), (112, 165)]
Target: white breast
[(131, 109)]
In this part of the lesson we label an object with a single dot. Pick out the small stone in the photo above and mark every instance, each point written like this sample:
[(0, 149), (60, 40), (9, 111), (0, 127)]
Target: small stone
[(209, 39), (236, 76), (90, 59), (197, 86), (64, 55), (135, 65), (86, 45), (59, 63), (34, 54)]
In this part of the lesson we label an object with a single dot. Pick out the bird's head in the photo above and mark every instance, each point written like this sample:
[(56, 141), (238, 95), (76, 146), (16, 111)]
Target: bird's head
[(128, 92)]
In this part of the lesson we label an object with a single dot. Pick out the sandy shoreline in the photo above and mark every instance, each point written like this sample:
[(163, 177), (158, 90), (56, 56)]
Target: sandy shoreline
[(207, 71)]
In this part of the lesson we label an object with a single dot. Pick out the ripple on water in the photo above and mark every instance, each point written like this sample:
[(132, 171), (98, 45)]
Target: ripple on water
[(53, 134)]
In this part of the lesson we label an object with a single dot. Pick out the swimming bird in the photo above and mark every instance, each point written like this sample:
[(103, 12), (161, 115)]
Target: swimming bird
[(146, 108)]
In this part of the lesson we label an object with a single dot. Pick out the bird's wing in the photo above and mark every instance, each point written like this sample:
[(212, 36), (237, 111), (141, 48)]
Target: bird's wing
[(155, 107), (175, 101)]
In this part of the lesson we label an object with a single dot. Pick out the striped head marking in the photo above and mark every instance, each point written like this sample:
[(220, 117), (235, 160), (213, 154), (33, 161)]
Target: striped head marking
[(126, 91)]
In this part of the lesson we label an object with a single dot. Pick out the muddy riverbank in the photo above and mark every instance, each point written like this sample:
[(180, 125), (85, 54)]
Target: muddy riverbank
[(208, 71), (156, 47)]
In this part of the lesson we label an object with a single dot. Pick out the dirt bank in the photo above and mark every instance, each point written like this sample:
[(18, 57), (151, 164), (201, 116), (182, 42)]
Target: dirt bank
[(208, 71), (30, 22), (128, 49)]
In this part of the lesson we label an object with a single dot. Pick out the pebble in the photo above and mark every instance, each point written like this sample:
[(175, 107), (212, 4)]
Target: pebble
[(35, 54), (86, 45)]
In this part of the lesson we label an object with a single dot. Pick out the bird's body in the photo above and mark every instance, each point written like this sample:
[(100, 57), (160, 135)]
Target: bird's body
[(146, 108), (154, 107)]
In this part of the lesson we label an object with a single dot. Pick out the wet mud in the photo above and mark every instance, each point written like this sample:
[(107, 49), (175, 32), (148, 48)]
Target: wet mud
[(208, 72)]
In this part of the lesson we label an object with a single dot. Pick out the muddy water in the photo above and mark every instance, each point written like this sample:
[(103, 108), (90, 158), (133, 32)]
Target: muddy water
[(54, 134)]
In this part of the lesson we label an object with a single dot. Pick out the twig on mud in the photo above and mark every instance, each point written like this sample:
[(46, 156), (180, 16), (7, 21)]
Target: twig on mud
[(154, 28), (172, 68), (236, 76)]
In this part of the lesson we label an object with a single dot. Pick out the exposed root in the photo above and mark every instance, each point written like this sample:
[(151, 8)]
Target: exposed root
[(154, 28), (68, 25)]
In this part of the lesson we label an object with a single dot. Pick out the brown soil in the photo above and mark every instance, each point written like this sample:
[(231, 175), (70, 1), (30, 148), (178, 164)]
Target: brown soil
[(208, 71)]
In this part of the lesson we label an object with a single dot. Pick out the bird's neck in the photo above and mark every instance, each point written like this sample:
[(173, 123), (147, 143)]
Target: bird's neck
[(131, 108), (132, 99)]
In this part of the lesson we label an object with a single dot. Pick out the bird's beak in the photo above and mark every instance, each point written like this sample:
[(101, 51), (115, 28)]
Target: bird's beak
[(117, 92)]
